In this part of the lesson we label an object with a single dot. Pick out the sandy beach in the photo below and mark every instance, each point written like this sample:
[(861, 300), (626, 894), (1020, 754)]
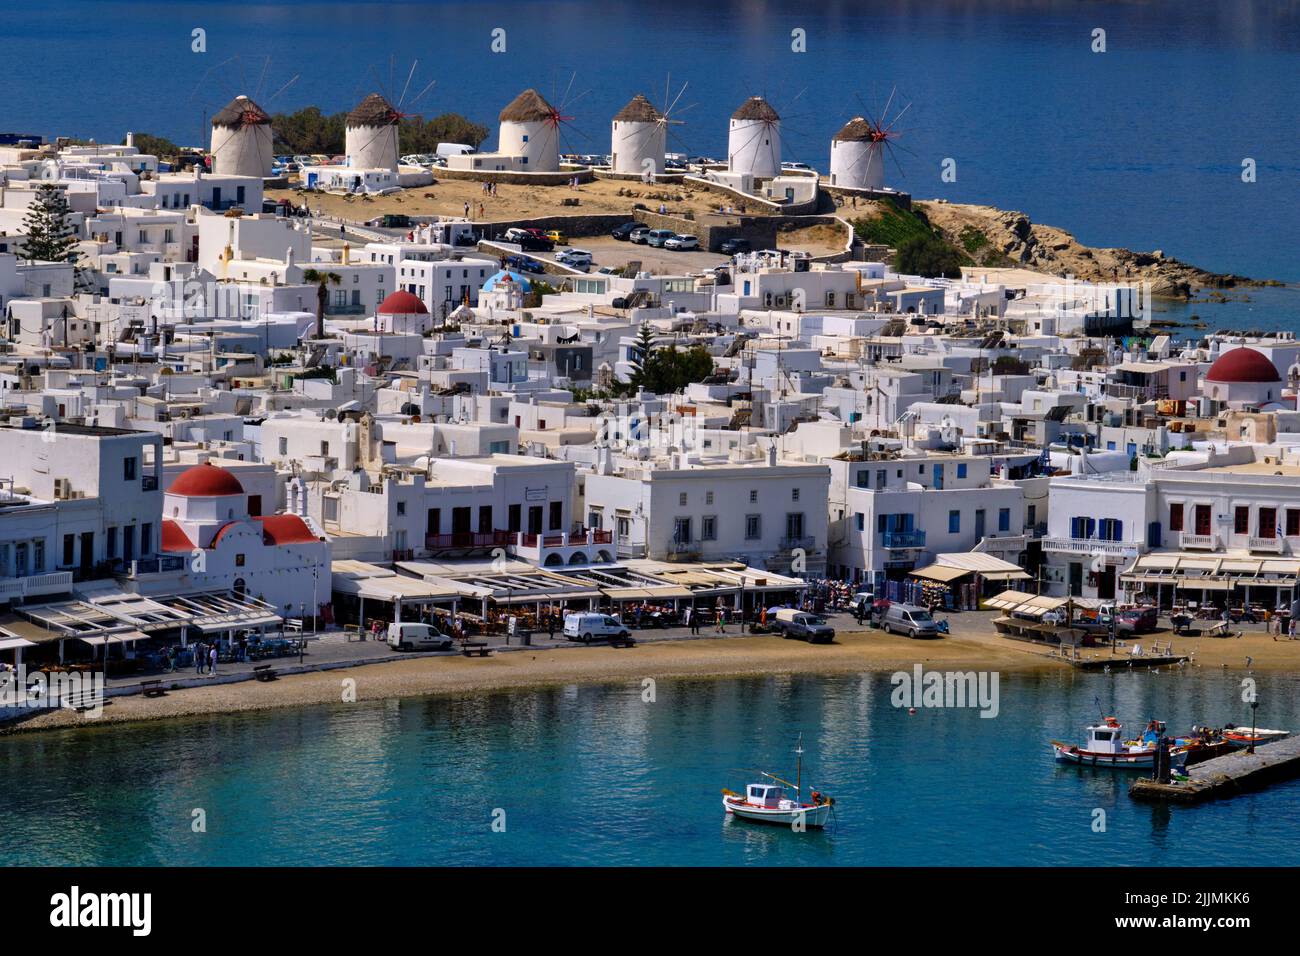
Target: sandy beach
[(972, 646)]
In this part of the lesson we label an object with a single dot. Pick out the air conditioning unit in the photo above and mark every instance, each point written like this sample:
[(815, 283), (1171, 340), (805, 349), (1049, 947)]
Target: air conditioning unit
[(62, 489)]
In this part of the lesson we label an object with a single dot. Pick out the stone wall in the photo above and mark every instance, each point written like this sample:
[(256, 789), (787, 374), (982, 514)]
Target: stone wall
[(515, 177)]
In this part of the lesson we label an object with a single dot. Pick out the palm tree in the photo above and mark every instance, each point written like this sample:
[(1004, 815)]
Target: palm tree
[(323, 281)]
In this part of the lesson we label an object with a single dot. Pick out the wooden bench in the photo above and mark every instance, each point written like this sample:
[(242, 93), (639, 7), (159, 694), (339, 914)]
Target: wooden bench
[(152, 688), (264, 673), (622, 641), (476, 649)]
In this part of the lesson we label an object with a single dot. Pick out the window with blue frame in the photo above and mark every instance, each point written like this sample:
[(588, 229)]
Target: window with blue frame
[(954, 522), (1082, 527), (1111, 529), (1004, 519), (861, 520), (961, 470)]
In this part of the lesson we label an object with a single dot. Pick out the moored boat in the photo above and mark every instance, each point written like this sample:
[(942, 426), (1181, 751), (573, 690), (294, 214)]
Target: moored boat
[(1246, 736), (1105, 746), (780, 801)]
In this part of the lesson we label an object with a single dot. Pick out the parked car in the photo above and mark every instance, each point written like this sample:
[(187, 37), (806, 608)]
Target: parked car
[(622, 232), (575, 257), (910, 620), (734, 246), (414, 636), (529, 242), (790, 622), (557, 237), (1136, 620), (640, 235), (514, 234), (589, 627), (862, 601), (682, 243), (657, 237), (524, 264)]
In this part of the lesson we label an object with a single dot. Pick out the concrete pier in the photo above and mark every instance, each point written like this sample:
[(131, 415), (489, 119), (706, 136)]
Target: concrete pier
[(1227, 776)]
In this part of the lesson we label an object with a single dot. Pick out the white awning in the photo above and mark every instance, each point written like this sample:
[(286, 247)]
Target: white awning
[(12, 643), (126, 637)]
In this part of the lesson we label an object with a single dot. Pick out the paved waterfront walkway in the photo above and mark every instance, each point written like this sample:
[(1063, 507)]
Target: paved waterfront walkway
[(332, 649)]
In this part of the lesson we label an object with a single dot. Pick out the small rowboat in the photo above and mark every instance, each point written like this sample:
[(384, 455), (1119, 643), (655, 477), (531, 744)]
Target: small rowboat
[(1245, 736), (769, 802)]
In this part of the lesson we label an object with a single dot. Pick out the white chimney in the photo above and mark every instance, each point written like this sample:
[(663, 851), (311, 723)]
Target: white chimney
[(771, 454), (288, 256), (130, 139)]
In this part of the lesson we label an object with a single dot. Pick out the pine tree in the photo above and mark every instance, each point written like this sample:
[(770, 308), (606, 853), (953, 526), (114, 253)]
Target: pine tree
[(49, 236), (641, 352)]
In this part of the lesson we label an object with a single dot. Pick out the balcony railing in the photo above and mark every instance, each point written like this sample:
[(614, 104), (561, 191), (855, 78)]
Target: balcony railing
[(466, 540), (903, 539), (1090, 545), (157, 565), (1273, 544), (1199, 542)]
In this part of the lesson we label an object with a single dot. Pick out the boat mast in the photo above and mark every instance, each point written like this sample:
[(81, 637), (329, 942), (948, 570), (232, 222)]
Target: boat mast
[(798, 770)]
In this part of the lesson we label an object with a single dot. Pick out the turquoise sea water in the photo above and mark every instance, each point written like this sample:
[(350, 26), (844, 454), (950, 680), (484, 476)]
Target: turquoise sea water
[(595, 775)]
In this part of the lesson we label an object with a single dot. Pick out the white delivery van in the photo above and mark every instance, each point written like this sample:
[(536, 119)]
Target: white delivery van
[(587, 627), (414, 636), (454, 149)]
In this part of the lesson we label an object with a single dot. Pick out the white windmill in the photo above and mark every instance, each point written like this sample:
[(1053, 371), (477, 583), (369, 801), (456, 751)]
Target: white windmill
[(859, 149), (754, 139), (639, 135)]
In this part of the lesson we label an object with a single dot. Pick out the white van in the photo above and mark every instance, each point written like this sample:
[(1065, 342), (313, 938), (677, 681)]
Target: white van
[(454, 149), (588, 627), (414, 636)]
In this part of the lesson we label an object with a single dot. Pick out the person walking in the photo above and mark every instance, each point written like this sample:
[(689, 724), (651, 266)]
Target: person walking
[(550, 626), (722, 620), (199, 658), (212, 661), (686, 619)]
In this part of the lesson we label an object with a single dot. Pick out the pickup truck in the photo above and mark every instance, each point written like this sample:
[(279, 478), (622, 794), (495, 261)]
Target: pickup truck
[(802, 626)]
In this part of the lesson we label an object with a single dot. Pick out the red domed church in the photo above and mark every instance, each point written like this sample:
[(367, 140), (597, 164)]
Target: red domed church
[(275, 558), (1243, 377)]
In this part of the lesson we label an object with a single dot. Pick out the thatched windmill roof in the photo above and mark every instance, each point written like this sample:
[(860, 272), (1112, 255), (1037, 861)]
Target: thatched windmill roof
[(240, 112), (638, 110), (856, 130), (528, 107), (374, 110), (756, 108)]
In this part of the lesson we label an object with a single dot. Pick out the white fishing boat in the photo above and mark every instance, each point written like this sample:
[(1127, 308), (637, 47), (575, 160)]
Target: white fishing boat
[(1105, 746), (780, 801)]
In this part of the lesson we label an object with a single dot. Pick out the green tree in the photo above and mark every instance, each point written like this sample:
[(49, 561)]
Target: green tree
[(927, 256), (49, 236), (417, 136), (164, 149), (641, 352), (669, 370), (323, 281)]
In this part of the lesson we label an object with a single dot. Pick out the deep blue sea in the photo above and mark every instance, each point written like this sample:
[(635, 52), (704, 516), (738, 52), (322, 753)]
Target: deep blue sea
[(1140, 146), (596, 775)]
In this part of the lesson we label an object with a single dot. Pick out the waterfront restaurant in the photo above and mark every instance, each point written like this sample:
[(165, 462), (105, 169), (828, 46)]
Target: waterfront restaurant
[(1169, 578)]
